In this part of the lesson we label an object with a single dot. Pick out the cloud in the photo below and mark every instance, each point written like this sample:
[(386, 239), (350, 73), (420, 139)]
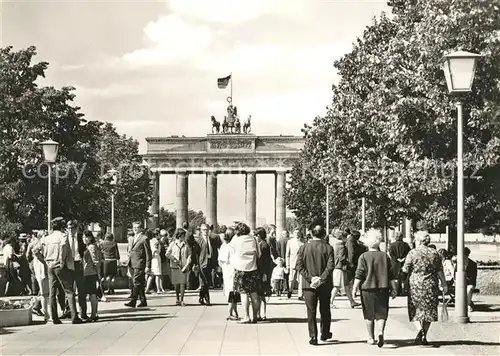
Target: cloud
[(238, 11), (110, 91), (171, 39)]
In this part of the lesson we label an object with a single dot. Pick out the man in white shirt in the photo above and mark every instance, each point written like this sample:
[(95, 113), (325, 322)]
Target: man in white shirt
[(60, 263), (292, 249)]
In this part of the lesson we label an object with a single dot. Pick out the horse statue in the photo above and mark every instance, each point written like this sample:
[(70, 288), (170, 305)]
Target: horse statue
[(215, 125), (237, 125), (247, 124), (225, 125)]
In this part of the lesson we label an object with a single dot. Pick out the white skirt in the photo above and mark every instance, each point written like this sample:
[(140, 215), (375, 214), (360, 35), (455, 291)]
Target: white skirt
[(227, 277)]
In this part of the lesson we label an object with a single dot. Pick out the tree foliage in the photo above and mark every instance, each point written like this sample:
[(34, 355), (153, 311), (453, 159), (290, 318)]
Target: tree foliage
[(390, 133), (30, 114), (133, 190), (168, 219)]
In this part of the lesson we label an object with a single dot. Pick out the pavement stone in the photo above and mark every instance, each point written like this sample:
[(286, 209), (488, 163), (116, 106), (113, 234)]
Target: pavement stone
[(165, 329)]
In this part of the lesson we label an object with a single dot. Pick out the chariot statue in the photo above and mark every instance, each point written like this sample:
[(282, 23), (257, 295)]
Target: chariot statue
[(232, 123)]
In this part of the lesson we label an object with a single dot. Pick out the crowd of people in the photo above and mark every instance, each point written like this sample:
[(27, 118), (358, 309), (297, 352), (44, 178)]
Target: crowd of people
[(251, 266)]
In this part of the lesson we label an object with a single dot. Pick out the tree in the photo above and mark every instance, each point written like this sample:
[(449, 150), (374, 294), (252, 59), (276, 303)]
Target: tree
[(168, 219), (391, 128), (133, 191), (31, 114)]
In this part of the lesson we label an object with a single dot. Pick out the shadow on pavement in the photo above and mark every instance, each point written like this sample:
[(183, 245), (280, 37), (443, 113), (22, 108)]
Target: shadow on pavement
[(126, 310), (436, 344), (464, 342), (4, 331), (135, 317), (291, 320)]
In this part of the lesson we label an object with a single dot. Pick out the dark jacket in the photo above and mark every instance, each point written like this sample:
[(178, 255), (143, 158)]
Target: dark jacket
[(109, 250), (273, 246), (471, 273), (139, 253), (315, 259), (340, 254), (354, 250), (281, 246), (203, 252)]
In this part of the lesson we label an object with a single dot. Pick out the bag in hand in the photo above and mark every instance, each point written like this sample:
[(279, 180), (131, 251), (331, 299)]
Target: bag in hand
[(444, 317)]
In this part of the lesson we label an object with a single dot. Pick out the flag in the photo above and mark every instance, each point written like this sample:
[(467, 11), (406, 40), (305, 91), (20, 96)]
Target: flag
[(223, 82)]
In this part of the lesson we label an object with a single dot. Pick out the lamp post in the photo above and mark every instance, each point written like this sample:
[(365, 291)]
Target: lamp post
[(114, 180), (459, 68), (50, 149), (327, 210), (363, 214)]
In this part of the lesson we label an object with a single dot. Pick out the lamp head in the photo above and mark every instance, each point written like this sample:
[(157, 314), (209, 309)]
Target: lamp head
[(50, 149), (459, 69), (114, 175)]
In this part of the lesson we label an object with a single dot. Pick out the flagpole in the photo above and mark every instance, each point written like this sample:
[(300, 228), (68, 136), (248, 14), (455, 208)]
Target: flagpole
[(231, 88)]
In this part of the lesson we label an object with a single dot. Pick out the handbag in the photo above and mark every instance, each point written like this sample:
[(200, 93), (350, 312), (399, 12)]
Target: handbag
[(444, 317)]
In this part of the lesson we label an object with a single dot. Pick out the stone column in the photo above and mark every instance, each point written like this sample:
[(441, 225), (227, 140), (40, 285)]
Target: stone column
[(181, 199), (154, 209), (280, 202), (251, 198), (211, 197)]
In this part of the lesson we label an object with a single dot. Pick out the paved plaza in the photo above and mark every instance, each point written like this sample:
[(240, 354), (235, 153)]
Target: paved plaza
[(165, 329)]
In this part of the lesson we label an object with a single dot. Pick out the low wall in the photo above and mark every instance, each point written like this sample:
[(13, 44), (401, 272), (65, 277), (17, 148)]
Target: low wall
[(488, 280)]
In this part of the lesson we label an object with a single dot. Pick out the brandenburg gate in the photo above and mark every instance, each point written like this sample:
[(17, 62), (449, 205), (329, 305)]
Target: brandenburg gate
[(217, 154)]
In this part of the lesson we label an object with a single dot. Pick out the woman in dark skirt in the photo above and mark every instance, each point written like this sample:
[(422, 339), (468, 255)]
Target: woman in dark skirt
[(374, 276), (265, 267), (111, 256), (246, 275)]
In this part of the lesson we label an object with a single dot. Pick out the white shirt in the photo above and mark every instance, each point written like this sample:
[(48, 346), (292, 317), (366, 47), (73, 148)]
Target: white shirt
[(8, 252), (246, 252), (73, 242)]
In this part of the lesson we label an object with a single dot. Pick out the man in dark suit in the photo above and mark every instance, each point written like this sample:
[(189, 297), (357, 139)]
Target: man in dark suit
[(213, 262), (315, 263), (272, 242), (139, 260), (281, 247), (205, 255)]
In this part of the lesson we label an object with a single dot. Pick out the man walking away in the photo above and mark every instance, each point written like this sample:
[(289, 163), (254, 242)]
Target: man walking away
[(292, 248), (57, 255), (315, 263), (139, 260)]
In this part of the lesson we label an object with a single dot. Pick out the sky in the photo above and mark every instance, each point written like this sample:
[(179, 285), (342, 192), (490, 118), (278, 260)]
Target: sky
[(151, 67)]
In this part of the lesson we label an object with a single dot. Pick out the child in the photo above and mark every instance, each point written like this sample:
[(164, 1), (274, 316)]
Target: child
[(92, 258), (278, 276)]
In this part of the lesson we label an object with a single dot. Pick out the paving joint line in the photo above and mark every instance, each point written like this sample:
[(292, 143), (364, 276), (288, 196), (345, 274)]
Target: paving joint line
[(168, 321), (192, 330)]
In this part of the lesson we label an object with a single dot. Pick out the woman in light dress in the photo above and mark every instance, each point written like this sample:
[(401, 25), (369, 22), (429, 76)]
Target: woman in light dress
[(225, 254), (156, 272), (40, 271), (179, 252)]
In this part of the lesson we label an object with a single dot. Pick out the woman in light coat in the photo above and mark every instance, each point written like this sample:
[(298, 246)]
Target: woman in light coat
[(178, 252)]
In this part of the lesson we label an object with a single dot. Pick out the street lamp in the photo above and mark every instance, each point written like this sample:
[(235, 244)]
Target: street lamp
[(50, 149), (114, 180), (459, 69)]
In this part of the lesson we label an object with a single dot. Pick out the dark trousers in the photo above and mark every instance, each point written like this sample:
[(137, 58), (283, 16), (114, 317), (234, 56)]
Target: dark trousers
[(312, 296), (80, 287), (205, 276), (139, 284), (61, 277)]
